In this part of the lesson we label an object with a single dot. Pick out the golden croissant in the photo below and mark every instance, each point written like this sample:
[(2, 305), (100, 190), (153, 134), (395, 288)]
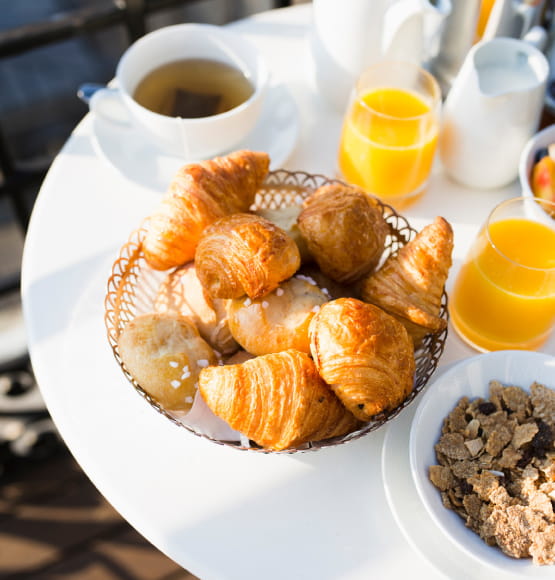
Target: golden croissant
[(200, 194), (277, 400), (244, 254), (364, 354), (344, 230), (410, 284)]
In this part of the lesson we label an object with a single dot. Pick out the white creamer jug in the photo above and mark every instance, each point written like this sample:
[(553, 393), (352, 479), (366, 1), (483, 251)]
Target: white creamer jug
[(493, 108), (347, 36)]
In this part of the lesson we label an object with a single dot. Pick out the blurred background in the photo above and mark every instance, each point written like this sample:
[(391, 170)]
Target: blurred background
[(53, 522)]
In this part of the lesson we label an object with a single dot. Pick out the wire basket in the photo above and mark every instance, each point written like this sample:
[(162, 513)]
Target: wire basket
[(133, 285)]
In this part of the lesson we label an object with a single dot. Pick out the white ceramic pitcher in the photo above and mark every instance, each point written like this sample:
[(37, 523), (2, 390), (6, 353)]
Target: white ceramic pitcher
[(349, 35), (493, 108)]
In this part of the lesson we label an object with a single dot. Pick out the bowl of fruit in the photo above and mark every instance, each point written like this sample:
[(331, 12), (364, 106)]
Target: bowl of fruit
[(537, 165)]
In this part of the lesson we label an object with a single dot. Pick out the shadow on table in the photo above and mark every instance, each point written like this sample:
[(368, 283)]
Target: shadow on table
[(54, 524)]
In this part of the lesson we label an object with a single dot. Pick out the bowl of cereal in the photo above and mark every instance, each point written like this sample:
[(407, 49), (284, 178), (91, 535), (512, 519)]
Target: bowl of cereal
[(482, 457)]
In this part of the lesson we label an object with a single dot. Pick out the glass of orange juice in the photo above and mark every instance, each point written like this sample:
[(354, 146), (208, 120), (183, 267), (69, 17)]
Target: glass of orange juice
[(504, 294), (389, 136)]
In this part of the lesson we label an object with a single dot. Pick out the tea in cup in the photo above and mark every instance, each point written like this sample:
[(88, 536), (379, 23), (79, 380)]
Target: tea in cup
[(504, 294), (195, 89), (390, 132)]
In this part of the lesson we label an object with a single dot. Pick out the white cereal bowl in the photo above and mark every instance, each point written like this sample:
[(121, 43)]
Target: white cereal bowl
[(541, 139), (470, 377)]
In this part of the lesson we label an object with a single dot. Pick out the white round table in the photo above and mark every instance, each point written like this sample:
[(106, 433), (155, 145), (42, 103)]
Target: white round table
[(219, 512)]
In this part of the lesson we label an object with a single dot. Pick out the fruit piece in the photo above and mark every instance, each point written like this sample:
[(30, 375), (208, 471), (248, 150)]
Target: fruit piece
[(543, 179)]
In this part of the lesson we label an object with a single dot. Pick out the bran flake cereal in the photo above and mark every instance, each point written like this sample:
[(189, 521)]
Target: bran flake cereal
[(496, 468)]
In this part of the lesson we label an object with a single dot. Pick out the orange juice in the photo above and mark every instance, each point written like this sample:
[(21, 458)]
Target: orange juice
[(388, 142), (483, 17), (504, 296)]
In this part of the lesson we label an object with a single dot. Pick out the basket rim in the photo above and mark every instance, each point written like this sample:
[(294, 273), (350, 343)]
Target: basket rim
[(130, 261)]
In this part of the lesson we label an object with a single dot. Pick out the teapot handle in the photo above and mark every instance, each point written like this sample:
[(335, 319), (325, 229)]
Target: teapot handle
[(411, 27), (403, 31), (512, 19), (537, 36)]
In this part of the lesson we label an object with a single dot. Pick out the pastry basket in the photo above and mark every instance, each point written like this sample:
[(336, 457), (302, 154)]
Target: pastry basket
[(133, 285)]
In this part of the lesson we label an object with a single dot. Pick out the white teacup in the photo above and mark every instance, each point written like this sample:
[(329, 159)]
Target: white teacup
[(187, 138)]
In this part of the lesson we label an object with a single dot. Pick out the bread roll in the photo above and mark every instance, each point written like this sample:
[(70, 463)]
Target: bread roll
[(164, 353), (181, 293), (279, 320)]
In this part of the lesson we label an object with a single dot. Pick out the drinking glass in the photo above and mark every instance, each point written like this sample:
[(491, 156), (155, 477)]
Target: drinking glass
[(504, 294), (389, 136)]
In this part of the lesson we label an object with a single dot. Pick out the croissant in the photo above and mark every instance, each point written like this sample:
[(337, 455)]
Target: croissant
[(200, 194), (279, 320), (345, 231), (410, 284), (364, 354), (244, 254), (164, 354), (277, 400), (181, 293)]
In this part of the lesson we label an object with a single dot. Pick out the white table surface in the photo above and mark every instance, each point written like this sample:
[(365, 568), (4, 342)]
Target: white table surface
[(220, 513)]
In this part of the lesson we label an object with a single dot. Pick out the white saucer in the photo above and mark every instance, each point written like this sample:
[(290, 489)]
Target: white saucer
[(416, 524), (137, 159)]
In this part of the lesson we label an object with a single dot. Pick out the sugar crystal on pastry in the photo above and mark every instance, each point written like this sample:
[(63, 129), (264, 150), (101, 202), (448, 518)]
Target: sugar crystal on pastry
[(331, 288), (279, 321), (156, 349)]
